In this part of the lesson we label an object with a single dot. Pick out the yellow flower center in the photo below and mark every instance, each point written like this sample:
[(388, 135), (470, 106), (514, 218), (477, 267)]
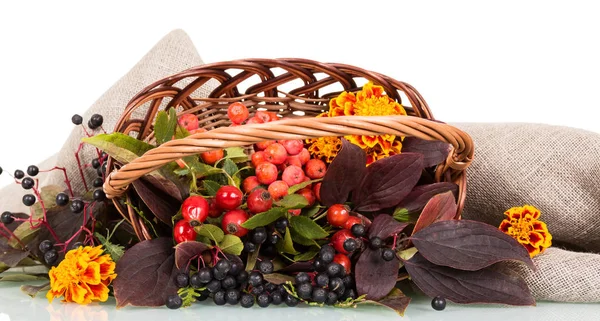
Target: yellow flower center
[(376, 106)]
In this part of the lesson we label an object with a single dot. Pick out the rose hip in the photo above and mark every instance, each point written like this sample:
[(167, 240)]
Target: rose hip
[(315, 168), (317, 191), (212, 157), (278, 189), (259, 201), (352, 220), (229, 197), (293, 175), (264, 145), (213, 210), (295, 212), (257, 158), (265, 116), (266, 173), (254, 120), (338, 239), (232, 222), (237, 113), (344, 261), (189, 122), (337, 215), (293, 147), (194, 209), (250, 183), (276, 154), (183, 231), (308, 194)]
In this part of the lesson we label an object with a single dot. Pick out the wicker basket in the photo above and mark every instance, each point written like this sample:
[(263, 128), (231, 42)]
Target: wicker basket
[(297, 89)]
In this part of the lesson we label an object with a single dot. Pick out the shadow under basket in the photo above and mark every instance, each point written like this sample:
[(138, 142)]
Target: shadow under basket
[(297, 89)]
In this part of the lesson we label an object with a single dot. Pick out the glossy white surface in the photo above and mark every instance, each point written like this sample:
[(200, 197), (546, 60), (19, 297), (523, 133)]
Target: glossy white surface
[(16, 306)]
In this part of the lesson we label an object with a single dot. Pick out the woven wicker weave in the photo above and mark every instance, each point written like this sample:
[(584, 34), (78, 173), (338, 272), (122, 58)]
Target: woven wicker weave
[(297, 89)]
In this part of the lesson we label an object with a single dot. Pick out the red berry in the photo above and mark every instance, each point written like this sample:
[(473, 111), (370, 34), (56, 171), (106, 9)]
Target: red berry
[(189, 122), (266, 173), (198, 130), (213, 210), (344, 261), (278, 189), (304, 156), (257, 158), (254, 120), (237, 113), (232, 222), (259, 201), (293, 175), (338, 239), (337, 215), (352, 220), (183, 231), (293, 160), (212, 157), (276, 154), (250, 183), (194, 210), (264, 145), (265, 116), (308, 194), (180, 163), (295, 212), (317, 191), (315, 168), (273, 116), (293, 147), (229, 197)]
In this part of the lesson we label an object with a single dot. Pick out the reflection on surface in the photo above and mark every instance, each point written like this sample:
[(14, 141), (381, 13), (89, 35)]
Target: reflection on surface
[(16, 306)]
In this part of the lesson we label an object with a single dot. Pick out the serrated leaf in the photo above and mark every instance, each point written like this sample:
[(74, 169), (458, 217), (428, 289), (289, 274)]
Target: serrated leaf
[(441, 207), (307, 255), (395, 300), (264, 218), (231, 244), (115, 251), (229, 167), (294, 188), (434, 152), (185, 251), (307, 227), (344, 174), (311, 211), (33, 290), (297, 238), (210, 187), (487, 285), (213, 232), (181, 132), (292, 201), (374, 276), (236, 154), (164, 126), (277, 278), (286, 245), (416, 200), (468, 245), (402, 215), (121, 147)]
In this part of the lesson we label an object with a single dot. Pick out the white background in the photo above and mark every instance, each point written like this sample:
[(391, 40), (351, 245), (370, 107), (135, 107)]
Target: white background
[(527, 61)]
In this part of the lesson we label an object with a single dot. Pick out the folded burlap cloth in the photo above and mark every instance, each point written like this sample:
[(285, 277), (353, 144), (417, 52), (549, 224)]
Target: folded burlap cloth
[(556, 169)]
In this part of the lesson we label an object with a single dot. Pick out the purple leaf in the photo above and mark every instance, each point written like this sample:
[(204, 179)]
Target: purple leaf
[(395, 300), (146, 273), (168, 183), (416, 200), (186, 251), (483, 286), (162, 205), (298, 267), (388, 181), (468, 245), (11, 256), (344, 174), (441, 207), (384, 226), (374, 276), (434, 152)]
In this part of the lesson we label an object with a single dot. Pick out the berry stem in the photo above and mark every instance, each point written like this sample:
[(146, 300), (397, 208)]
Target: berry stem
[(394, 242), (79, 166), (85, 131), (67, 180), (12, 235), (39, 197)]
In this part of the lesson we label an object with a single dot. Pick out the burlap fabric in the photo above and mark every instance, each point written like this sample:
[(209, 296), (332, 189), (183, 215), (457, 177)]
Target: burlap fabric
[(556, 169)]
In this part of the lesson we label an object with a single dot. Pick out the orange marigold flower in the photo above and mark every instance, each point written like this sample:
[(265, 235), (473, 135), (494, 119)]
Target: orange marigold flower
[(522, 224), (83, 276)]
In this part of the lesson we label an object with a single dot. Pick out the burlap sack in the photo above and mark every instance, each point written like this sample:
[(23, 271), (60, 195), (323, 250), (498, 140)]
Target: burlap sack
[(172, 54), (556, 169)]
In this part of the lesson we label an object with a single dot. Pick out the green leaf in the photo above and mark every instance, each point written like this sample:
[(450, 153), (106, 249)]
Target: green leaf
[(277, 278), (203, 170), (402, 215), (181, 132), (307, 227), (211, 187), (114, 250), (311, 211), (188, 295), (301, 239), (164, 126), (213, 232), (286, 245), (264, 218), (408, 253), (294, 188), (33, 290), (292, 201), (236, 154), (21, 277), (251, 261), (229, 167), (231, 244), (307, 256), (121, 147)]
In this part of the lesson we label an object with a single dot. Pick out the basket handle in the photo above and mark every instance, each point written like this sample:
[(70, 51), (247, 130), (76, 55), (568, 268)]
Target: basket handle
[(298, 128)]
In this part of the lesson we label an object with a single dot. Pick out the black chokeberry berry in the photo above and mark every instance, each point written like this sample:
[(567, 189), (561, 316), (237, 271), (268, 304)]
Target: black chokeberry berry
[(322, 279), (99, 195), (265, 267), (438, 303), (247, 300), (319, 265), (319, 295), (348, 281), (45, 246), (281, 224), (270, 287), (223, 266), (219, 297), (302, 277), (205, 275), (259, 235), (1, 170), (255, 278), (218, 274), (77, 206), (281, 289), (95, 121), (349, 294), (291, 301), (62, 199), (7, 218), (19, 174), (326, 254), (99, 172), (213, 286), (236, 268), (249, 247), (337, 285), (388, 254), (33, 170), (375, 243), (304, 290), (204, 294), (50, 257), (232, 296), (76, 245), (174, 302), (274, 238), (182, 280), (358, 230), (77, 119), (29, 199), (263, 300), (350, 245), (332, 298), (334, 269), (242, 277), (195, 281), (256, 290), (27, 183), (95, 163), (228, 282), (98, 182), (276, 298)]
